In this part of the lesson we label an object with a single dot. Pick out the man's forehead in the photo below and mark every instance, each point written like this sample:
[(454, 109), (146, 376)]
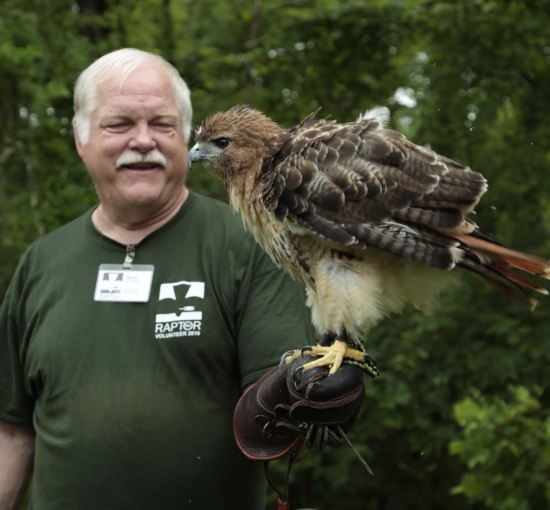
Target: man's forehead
[(135, 105), (147, 86), (113, 112)]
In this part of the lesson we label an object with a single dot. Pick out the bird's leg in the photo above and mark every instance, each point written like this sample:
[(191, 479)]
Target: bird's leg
[(337, 352), (326, 340)]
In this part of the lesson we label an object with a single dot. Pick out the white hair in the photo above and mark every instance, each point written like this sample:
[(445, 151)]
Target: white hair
[(119, 64)]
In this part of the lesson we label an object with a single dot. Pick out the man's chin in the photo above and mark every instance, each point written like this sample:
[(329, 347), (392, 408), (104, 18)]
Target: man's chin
[(141, 197), (151, 196), (144, 202)]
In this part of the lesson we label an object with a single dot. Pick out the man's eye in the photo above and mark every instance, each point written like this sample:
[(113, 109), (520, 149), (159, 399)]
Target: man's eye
[(118, 126), (222, 142)]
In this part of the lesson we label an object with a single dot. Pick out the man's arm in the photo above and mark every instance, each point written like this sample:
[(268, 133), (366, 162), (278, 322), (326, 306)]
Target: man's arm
[(16, 461)]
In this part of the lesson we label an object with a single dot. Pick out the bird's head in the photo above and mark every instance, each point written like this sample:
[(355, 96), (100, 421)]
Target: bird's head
[(230, 143)]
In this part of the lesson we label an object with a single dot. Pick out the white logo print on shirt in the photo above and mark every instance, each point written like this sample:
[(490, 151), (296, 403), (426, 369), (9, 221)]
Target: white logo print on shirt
[(186, 321)]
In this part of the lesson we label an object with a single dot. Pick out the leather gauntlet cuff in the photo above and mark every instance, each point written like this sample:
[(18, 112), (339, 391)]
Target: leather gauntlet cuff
[(259, 432), (270, 417)]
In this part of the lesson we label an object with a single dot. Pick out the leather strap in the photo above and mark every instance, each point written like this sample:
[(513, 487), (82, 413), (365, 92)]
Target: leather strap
[(282, 501)]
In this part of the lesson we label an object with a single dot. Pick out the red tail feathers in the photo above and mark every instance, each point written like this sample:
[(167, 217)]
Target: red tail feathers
[(494, 263)]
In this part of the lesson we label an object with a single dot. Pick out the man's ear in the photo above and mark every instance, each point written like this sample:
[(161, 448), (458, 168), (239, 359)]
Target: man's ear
[(78, 143)]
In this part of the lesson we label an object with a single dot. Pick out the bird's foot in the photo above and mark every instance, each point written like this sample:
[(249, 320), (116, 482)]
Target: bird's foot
[(333, 356), (289, 356)]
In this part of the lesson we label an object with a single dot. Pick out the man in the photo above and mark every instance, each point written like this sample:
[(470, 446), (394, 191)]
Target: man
[(126, 336)]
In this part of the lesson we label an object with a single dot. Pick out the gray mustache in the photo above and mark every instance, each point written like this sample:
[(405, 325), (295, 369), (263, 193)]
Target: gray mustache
[(131, 157)]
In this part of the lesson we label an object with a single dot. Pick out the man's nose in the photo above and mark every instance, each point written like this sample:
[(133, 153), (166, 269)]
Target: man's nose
[(142, 140)]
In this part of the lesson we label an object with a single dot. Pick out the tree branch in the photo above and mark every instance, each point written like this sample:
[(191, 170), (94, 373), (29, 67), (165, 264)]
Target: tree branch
[(253, 44), (31, 182)]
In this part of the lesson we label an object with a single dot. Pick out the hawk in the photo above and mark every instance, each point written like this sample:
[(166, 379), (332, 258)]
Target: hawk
[(365, 219)]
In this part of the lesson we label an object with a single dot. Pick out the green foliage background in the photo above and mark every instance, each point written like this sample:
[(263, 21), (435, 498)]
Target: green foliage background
[(459, 418)]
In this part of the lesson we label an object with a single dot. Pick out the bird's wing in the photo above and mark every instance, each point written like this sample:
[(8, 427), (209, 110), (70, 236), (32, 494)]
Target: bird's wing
[(358, 184)]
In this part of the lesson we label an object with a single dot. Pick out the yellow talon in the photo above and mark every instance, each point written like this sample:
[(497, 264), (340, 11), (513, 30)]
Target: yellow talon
[(290, 356), (333, 355)]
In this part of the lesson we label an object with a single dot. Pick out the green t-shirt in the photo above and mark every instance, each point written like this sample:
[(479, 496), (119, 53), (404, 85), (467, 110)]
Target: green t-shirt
[(132, 403)]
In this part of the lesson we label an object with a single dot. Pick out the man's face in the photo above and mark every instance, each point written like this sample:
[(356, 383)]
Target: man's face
[(129, 123)]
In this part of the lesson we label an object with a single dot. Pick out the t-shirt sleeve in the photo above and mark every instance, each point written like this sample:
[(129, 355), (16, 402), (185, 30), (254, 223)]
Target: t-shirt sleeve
[(16, 405), (273, 319)]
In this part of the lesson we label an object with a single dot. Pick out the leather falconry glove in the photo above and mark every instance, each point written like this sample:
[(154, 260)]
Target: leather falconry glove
[(286, 405)]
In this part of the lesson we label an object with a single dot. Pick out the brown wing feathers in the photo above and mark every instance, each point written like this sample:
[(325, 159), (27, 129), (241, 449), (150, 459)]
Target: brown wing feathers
[(356, 184), (358, 177)]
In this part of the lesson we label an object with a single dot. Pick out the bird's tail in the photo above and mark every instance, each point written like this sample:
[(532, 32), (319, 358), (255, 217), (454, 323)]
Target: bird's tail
[(494, 263)]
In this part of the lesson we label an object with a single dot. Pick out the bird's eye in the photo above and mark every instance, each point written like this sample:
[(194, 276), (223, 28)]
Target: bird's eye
[(222, 142)]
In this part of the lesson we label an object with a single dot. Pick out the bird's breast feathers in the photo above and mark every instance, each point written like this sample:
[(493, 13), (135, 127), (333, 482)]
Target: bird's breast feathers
[(340, 283)]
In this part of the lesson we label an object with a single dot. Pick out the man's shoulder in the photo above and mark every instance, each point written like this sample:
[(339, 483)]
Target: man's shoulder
[(52, 251), (61, 237), (216, 207), (218, 215), (217, 222)]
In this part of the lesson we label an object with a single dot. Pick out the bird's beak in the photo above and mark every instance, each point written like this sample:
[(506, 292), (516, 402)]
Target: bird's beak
[(194, 156)]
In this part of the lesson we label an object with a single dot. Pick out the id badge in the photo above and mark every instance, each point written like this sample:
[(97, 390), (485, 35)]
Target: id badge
[(124, 284)]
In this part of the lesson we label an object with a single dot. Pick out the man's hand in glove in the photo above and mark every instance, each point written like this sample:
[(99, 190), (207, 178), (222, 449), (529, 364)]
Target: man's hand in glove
[(287, 404)]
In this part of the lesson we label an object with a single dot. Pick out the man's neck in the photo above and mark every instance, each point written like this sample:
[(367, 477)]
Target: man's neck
[(131, 229)]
